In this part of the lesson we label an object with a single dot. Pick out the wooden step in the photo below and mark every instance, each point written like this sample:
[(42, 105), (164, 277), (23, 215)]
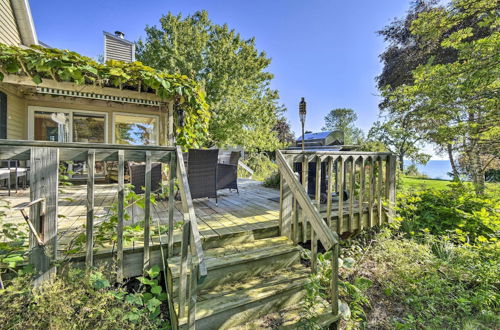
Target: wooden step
[(234, 304), (294, 317), (237, 262)]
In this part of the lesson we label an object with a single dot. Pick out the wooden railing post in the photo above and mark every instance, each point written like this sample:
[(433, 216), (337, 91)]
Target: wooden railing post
[(44, 183), (317, 195), (147, 211), (305, 184), (171, 197), (89, 256), (352, 183), (121, 215), (286, 211), (371, 185), (340, 187), (329, 175), (390, 189), (183, 272)]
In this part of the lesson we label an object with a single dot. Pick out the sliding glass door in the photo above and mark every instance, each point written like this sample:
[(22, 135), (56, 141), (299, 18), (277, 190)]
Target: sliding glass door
[(52, 126)]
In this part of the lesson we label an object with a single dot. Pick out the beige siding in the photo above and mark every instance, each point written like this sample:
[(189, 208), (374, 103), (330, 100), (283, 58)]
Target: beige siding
[(17, 116), (9, 33)]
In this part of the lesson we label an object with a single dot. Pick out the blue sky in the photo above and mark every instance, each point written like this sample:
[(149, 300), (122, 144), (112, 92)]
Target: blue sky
[(325, 51)]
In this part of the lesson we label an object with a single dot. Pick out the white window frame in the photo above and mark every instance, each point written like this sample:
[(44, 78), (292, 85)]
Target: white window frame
[(31, 120), (136, 115)]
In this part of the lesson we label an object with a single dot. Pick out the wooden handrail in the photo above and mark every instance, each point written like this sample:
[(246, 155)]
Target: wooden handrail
[(187, 204), (191, 240), (327, 237)]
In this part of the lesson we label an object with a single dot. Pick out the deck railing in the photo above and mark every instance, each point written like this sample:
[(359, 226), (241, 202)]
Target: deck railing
[(357, 191), (45, 158)]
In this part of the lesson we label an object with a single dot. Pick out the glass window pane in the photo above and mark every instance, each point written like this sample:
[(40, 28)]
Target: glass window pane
[(51, 126), (89, 127), (137, 130)]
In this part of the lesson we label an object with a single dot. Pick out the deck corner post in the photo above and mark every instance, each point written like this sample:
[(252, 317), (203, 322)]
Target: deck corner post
[(121, 215), (44, 183), (147, 211), (89, 255)]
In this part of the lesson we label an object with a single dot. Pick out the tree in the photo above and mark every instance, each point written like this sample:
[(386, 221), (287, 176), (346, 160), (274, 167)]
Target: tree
[(457, 102), (234, 73), (284, 131), (342, 119), (401, 138)]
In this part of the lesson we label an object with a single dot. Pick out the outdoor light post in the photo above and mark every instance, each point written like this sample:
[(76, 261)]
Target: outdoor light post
[(302, 114), (180, 115)]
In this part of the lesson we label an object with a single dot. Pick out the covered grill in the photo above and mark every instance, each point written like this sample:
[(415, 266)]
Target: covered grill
[(329, 140)]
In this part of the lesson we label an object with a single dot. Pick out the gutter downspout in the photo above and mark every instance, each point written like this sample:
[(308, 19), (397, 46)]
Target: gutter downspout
[(24, 20)]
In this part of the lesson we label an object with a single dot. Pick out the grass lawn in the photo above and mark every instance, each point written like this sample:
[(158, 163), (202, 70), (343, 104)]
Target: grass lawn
[(411, 182), (416, 183)]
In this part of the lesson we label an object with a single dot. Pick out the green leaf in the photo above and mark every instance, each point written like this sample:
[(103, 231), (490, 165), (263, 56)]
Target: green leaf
[(146, 281), (152, 304), (154, 271), (134, 299), (156, 289), (37, 79)]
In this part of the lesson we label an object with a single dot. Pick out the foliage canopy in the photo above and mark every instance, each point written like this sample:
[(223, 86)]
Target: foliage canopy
[(234, 73)]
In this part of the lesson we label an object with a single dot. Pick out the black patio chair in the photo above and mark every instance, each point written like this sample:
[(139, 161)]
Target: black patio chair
[(202, 173), (137, 177), (227, 174)]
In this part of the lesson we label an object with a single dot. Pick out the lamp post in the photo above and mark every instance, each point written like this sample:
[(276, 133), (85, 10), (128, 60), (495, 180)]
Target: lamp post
[(180, 115), (302, 114)]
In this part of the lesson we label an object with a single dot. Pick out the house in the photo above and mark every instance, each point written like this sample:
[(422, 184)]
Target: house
[(69, 111)]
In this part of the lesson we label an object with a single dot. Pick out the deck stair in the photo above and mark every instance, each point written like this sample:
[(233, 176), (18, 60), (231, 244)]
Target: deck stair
[(245, 282)]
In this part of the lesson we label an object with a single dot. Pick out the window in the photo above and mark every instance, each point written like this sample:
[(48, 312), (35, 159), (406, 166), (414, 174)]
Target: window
[(89, 127), (135, 129), (52, 126), (65, 125), (3, 115)]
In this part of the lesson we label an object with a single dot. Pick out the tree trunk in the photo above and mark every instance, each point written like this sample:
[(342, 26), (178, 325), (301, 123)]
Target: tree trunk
[(478, 173), (401, 162), (452, 162)]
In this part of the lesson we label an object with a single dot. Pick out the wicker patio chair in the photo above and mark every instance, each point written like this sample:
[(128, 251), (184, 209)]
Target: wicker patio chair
[(227, 174), (138, 180), (202, 173)]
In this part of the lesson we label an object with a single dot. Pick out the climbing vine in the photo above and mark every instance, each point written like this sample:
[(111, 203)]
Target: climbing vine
[(40, 63)]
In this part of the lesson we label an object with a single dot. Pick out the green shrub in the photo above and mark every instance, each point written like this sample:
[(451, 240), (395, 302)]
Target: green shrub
[(455, 211), (272, 181), (432, 283), (262, 166), (79, 300)]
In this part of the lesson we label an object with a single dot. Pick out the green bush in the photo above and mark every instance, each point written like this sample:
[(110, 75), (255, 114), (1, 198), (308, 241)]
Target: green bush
[(433, 283), (261, 164), (79, 300), (455, 211), (272, 181)]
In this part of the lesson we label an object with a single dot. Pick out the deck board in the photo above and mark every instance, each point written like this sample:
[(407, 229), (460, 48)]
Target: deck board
[(255, 208), (249, 210)]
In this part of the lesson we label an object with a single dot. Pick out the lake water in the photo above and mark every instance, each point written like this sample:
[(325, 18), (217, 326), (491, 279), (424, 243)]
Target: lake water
[(434, 169)]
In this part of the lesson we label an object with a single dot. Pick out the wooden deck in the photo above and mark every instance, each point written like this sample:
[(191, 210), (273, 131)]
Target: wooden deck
[(254, 208)]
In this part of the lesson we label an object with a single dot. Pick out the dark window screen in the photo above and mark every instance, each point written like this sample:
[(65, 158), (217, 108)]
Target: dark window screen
[(3, 116)]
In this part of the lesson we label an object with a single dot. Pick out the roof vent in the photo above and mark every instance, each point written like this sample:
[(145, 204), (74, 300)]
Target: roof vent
[(120, 34), (116, 47)]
